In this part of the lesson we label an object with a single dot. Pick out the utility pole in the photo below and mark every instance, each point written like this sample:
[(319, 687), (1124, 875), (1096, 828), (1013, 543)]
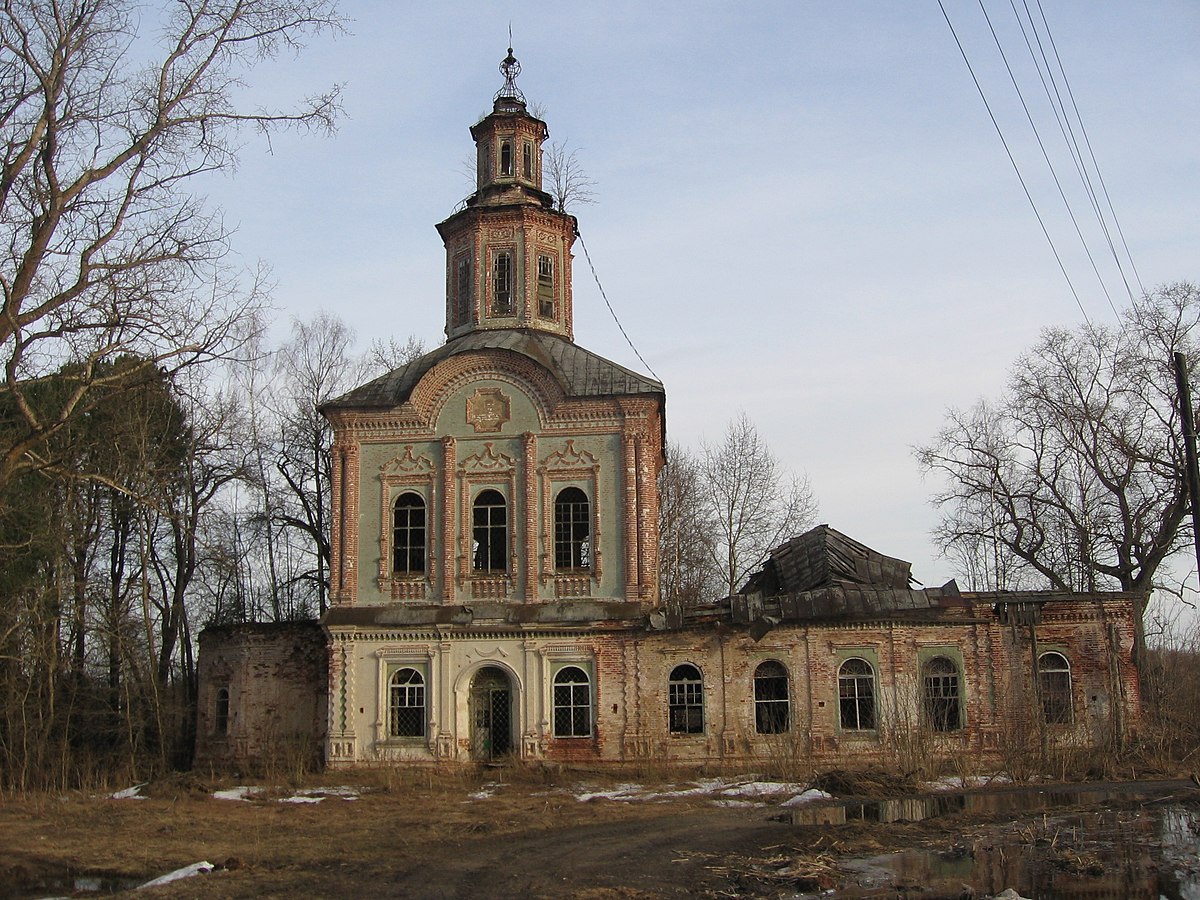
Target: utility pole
[(1188, 417)]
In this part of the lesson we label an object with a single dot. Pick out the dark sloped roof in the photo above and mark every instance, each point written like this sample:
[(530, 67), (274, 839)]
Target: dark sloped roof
[(580, 372), (824, 556)]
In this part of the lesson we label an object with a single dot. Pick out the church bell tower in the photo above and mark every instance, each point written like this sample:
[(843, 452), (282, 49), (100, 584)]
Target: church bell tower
[(508, 250)]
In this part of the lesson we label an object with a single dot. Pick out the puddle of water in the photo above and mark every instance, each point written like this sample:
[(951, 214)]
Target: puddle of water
[(1122, 850)]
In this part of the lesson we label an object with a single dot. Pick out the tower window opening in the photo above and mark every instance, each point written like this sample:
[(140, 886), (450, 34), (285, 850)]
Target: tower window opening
[(502, 300), (506, 158), (527, 161), (545, 287), (462, 292)]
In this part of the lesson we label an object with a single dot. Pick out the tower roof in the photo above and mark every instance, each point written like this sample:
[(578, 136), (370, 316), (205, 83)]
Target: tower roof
[(580, 372)]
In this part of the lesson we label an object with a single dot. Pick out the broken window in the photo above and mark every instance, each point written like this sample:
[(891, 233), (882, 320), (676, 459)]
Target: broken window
[(408, 535), (502, 298), (943, 705), (407, 704), (1054, 683), (462, 291), (545, 287), (856, 695), (527, 161), (506, 158), (572, 530), (771, 698), (685, 700), (572, 703), (490, 532), (221, 717)]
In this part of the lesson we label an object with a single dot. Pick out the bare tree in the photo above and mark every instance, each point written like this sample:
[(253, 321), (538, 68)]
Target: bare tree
[(1074, 477), (751, 503), (104, 250), (687, 574), (563, 177)]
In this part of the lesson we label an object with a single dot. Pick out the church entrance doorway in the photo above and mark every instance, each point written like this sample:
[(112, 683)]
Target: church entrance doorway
[(491, 714)]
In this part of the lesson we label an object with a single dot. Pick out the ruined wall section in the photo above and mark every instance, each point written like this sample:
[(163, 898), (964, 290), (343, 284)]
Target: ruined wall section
[(262, 695)]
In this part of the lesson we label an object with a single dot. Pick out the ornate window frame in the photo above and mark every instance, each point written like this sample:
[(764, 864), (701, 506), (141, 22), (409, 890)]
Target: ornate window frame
[(563, 468), (478, 472), (406, 473), (389, 661)]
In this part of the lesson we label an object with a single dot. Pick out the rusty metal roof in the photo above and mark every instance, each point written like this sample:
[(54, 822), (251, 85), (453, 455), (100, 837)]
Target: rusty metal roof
[(580, 372), (824, 556)]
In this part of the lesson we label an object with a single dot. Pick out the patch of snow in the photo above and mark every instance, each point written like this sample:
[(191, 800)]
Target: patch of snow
[(806, 797), (238, 793), (200, 868), (762, 789), (316, 795), (130, 793), (299, 799), (735, 803), (957, 783)]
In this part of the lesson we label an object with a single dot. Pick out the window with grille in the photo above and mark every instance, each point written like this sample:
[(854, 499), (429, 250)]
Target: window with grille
[(407, 704), (545, 287), (1054, 684), (490, 532), (462, 291), (943, 705), (572, 703), (408, 535), (502, 294), (685, 700), (856, 695), (572, 530), (771, 698)]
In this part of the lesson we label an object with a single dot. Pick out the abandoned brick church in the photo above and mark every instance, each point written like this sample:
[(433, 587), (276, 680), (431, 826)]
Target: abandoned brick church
[(494, 589)]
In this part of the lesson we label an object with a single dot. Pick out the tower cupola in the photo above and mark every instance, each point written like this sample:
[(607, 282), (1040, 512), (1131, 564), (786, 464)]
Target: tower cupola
[(508, 250)]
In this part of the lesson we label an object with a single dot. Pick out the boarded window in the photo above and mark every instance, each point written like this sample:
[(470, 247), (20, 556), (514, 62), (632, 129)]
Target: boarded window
[(685, 700), (221, 713), (771, 698)]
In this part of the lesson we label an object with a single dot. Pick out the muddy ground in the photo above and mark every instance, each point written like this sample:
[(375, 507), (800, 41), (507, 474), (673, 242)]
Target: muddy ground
[(504, 832)]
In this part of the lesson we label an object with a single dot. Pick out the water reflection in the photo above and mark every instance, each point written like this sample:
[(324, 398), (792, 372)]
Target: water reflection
[(1130, 848)]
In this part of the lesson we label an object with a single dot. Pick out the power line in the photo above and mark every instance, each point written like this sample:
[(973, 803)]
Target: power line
[(1016, 169), (1046, 156), (611, 311)]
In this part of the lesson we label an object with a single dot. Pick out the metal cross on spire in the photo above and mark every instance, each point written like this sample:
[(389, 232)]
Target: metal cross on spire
[(510, 69)]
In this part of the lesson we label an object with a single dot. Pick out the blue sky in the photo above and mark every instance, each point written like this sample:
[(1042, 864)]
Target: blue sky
[(803, 210)]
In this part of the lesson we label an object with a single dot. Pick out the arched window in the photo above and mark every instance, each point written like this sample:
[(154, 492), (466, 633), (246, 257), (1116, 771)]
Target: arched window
[(771, 698), (1054, 683), (502, 294), (408, 535), (221, 713), (572, 703), (407, 704), (856, 695), (490, 532), (943, 705), (685, 700), (572, 530)]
